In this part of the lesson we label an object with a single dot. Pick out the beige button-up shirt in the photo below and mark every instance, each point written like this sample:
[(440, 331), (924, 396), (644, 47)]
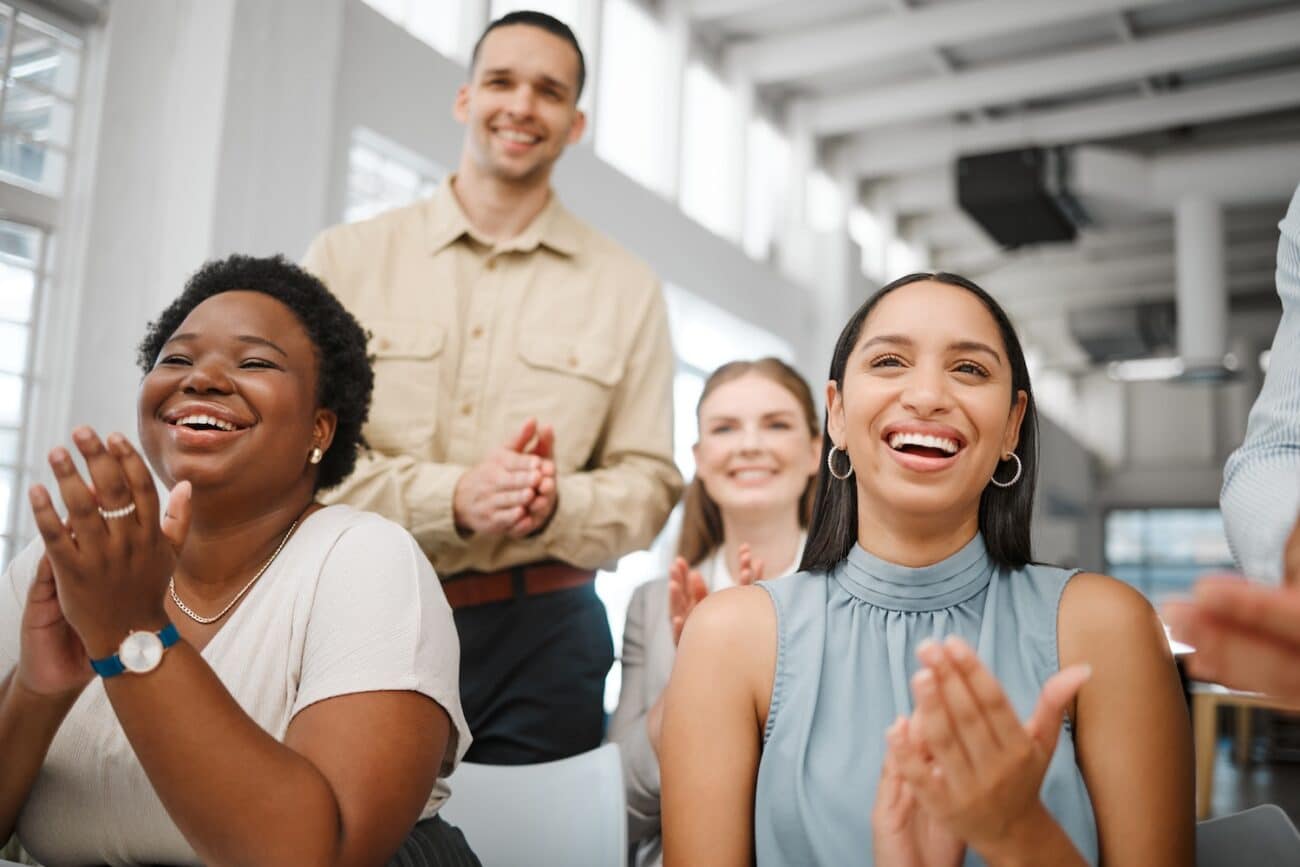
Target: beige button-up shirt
[(470, 338)]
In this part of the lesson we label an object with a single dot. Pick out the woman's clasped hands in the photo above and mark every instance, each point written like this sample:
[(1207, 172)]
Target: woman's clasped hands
[(106, 566), (962, 770)]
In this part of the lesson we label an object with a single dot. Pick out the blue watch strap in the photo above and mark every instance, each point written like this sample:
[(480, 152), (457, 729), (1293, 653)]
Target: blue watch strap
[(169, 635), (111, 666)]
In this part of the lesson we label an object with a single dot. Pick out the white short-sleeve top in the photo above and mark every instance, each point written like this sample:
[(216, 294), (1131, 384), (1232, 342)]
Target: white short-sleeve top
[(350, 605)]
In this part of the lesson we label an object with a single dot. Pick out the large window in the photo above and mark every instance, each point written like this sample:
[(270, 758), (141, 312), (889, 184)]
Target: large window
[(382, 175), (41, 66), (1162, 552), (712, 127), (767, 181), (435, 23), (635, 103), (21, 256), (40, 69)]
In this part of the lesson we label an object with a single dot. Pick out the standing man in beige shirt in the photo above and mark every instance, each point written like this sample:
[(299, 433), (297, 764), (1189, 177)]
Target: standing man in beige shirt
[(522, 419)]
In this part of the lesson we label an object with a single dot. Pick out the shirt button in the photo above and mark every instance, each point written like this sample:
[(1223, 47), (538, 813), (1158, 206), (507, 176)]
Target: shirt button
[(573, 361), (384, 343), (477, 331), (491, 264), (466, 409)]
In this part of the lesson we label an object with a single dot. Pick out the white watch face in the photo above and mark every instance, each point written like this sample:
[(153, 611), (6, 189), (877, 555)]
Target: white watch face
[(140, 652)]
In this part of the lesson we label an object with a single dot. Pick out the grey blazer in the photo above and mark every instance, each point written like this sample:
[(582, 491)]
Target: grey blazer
[(648, 654)]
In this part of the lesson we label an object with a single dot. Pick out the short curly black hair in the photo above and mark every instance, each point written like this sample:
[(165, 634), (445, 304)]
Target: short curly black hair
[(345, 379)]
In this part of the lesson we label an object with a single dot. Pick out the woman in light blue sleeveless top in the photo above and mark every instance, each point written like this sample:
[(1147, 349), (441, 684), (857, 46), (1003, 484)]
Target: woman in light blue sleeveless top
[(783, 693)]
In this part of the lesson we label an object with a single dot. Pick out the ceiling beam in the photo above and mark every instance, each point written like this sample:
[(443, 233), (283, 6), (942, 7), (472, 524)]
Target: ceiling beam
[(1067, 72), (875, 38), (716, 10), (911, 148)]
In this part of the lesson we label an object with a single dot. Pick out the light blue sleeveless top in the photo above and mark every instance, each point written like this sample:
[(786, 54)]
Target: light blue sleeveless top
[(846, 652)]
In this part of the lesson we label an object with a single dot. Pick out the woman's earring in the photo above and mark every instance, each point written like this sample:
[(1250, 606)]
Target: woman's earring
[(1019, 468), (830, 462), (316, 455)]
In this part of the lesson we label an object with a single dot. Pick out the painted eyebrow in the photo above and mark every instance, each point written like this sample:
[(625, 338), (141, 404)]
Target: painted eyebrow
[(243, 338), (958, 346)]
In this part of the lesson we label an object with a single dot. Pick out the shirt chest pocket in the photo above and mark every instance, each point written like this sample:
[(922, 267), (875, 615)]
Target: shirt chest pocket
[(408, 362), (570, 384)]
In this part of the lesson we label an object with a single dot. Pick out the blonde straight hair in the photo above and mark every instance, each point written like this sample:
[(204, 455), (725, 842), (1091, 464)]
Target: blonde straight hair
[(701, 518)]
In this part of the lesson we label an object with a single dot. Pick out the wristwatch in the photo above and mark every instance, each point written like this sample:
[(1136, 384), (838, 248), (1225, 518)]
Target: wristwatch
[(139, 652)]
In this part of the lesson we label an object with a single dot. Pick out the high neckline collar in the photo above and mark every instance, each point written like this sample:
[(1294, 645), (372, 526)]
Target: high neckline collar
[(949, 582)]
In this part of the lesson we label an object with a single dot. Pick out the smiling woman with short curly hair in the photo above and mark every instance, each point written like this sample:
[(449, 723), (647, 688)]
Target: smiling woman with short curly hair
[(277, 679)]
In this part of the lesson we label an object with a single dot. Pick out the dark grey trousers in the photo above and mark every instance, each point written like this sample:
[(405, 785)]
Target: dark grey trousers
[(435, 843)]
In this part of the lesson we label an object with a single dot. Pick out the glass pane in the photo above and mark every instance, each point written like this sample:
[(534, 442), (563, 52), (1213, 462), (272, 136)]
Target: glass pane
[(767, 171), (711, 137), (43, 116), (13, 347), (635, 106), (438, 24), (4, 552), (17, 287), (45, 56), (32, 162), (19, 244), (8, 446), (382, 177), (4, 26), (11, 400), (8, 479)]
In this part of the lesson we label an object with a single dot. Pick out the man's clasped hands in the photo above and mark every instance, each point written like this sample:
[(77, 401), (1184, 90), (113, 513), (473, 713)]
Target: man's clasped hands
[(512, 491)]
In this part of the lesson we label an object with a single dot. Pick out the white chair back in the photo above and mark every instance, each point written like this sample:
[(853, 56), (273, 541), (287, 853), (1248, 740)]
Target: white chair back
[(571, 812), (1259, 837)]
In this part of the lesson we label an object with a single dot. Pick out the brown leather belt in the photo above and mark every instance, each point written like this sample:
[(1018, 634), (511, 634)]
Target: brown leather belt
[(466, 589)]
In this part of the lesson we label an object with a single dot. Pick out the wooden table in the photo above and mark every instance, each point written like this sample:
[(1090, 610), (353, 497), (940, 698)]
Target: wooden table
[(1207, 698)]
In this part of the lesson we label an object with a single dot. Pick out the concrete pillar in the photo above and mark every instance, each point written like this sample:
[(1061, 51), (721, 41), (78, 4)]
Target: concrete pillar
[(1200, 248)]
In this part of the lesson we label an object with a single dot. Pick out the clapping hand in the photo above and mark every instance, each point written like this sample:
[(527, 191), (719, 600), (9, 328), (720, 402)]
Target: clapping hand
[(1246, 635), (52, 662), (751, 567), (110, 561), (965, 756), (497, 495), (686, 589), (903, 833), (543, 503)]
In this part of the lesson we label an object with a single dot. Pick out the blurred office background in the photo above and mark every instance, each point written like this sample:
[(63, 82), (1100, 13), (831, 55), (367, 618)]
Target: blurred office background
[(1112, 170)]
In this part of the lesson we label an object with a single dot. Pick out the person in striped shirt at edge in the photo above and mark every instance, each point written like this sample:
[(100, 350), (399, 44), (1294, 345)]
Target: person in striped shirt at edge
[(1247, 634)]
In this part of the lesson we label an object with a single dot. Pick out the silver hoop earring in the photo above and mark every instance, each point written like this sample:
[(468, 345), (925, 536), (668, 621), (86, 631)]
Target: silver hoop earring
[(316, 455), (1019, 468), (830, 462)]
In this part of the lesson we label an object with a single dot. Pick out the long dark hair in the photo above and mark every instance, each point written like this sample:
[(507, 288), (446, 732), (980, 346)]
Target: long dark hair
[(701, 517), (1004, 513)]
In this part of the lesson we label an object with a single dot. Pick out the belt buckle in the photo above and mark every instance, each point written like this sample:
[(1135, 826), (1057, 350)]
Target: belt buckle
[(518, 582)]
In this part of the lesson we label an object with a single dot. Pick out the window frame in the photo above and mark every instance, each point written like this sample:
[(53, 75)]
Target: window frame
[(36, 207)]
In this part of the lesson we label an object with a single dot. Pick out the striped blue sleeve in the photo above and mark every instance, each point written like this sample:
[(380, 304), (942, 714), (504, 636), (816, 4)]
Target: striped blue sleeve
[(1261, 482)]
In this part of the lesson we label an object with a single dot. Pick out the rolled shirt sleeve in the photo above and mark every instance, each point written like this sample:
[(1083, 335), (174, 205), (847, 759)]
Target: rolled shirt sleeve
[(1261, 485)]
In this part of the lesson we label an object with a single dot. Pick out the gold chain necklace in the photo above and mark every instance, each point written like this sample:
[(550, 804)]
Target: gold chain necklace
[(185, 609)]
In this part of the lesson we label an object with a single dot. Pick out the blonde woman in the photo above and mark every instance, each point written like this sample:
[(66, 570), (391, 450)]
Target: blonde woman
[(746, 514)]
